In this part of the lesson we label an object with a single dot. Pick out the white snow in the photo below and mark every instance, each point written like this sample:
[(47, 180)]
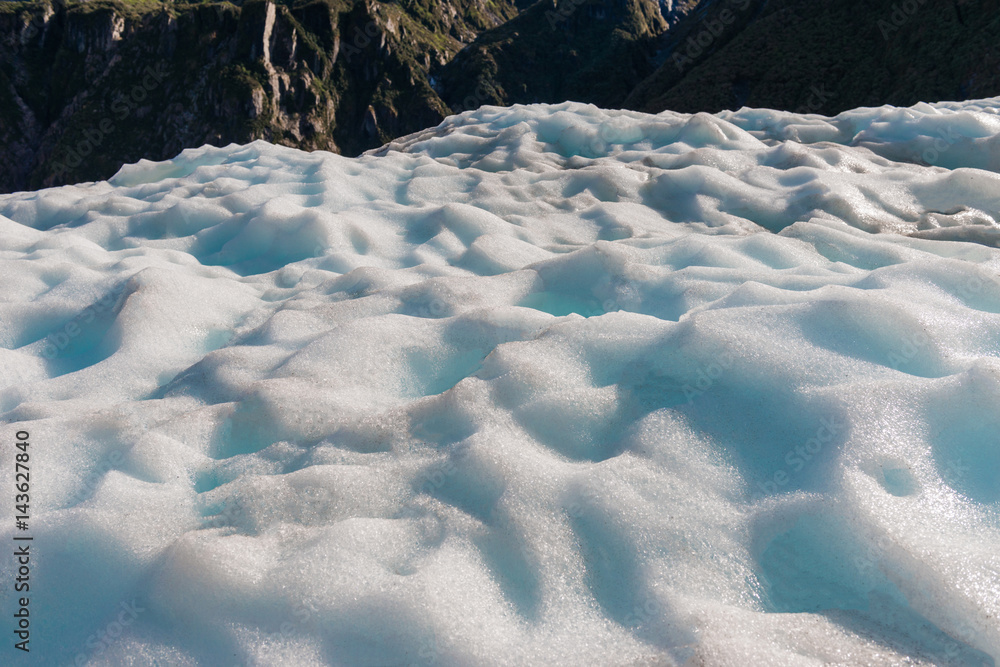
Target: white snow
[(545, 385)]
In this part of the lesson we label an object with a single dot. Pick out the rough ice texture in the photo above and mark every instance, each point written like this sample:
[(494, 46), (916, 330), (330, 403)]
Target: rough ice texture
[(544, 385)]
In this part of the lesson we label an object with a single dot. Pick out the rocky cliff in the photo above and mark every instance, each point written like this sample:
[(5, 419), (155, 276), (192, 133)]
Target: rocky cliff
[(86, 87)]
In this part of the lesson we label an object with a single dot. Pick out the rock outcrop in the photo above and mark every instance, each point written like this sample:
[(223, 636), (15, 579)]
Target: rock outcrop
[(87, 87)]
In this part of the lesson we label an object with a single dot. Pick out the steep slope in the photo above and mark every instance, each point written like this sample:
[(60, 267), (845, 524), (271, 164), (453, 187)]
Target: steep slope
[(585, 50), (827, 55), (86, 87)]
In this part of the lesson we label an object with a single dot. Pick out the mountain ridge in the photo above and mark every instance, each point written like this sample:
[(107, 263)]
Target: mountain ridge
[(88, 86)]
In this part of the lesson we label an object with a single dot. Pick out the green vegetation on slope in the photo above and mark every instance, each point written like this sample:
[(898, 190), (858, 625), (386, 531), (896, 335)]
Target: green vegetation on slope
[(88, 86)]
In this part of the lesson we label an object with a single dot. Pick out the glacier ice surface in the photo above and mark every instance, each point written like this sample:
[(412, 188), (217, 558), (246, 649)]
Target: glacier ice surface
[(544, 385)]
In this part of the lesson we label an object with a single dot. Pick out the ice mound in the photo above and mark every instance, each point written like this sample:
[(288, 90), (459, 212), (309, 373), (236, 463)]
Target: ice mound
[(546, 385)]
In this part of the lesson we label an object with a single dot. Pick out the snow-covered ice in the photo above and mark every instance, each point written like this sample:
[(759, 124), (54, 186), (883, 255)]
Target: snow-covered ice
[(546, 385)]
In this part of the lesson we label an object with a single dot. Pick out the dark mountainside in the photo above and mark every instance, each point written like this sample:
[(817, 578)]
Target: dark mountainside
[(88, 86), (826, 56), (593, 52)]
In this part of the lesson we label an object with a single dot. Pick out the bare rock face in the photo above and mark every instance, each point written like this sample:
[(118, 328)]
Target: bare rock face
[(583, 50), (87, 87)]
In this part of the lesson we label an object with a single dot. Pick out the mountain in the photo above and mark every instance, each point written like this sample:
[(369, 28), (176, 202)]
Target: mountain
[(86, 87), (584, 50), (826, 55)]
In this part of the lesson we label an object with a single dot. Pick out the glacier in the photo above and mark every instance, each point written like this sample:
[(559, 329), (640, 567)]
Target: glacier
[(543, 385)]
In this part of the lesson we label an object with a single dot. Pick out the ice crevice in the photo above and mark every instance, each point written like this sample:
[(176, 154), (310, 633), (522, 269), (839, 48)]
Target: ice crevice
[(541, 385)]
